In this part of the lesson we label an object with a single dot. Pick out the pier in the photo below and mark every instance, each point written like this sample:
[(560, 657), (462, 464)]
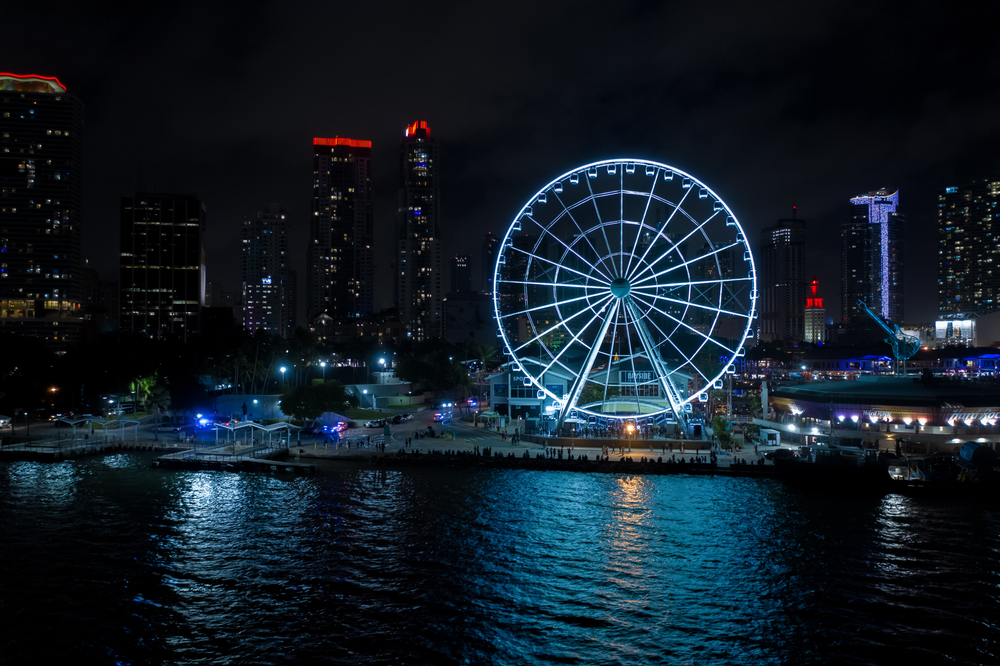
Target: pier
[(234, 457)]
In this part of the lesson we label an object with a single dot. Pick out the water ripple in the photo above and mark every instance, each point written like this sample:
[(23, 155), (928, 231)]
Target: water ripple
[(109, 561)]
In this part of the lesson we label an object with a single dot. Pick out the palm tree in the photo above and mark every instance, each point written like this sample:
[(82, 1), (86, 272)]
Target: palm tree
[(156, 399), (487, 356), (140, 388)]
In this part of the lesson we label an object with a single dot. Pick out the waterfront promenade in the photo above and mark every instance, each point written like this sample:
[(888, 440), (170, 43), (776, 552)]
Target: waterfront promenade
[(457, 439), (463, 438)]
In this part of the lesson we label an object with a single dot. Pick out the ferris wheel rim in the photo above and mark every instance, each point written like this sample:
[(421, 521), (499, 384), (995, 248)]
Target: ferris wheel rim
[(645, 285)]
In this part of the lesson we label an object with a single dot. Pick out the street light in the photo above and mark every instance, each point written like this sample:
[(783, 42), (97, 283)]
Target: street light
[(283, 368), (365, 391), (322, 364), (382, 361)]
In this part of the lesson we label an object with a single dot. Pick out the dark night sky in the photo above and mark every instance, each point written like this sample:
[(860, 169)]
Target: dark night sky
[(768, 103)]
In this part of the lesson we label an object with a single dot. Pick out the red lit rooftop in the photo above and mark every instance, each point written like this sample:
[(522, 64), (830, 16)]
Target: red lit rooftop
[(30, 83), (337, 141), (412, 130)]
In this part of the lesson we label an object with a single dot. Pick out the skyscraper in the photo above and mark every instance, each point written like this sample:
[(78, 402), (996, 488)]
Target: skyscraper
[(41, 193), (162, 264), (461, 273), (815, 315), (782, 291), (969, 248), (419, 292), (491, 245), (871, 268), (340, 261), (266, 289)]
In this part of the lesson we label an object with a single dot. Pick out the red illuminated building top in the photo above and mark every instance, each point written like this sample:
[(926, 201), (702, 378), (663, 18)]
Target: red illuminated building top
[(814, 301), (30, 83), (337, 141), (411, 130)]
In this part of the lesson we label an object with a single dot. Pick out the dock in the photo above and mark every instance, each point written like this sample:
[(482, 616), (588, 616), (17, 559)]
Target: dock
[(55, 450), (234, 458)]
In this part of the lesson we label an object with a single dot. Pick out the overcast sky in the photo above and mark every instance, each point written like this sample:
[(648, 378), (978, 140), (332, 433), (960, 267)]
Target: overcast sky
[(767, 103)]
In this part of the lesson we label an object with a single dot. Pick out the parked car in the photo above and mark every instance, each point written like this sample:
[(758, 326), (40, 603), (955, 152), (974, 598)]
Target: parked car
[(438, 417), (407, 417), (397, 419), (169, 427), (377, 423), (781, 453)]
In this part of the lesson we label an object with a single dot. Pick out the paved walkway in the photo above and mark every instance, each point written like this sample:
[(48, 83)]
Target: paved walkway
[(463, 437)]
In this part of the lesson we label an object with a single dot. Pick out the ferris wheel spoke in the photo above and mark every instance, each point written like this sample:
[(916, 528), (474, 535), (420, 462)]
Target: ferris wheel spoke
[(635, 376), (588, 364), (687, 360), (576, 338), (690, 328), (670, 391), (621, 220), (642, 224), (600, 223), (698, 227), (696, 305), (693, 282), (585, 237), (563, 322), (659, 232), (547, 305), (611, 351), (557, 264), (547, 231), (556, 284), (686, 263)]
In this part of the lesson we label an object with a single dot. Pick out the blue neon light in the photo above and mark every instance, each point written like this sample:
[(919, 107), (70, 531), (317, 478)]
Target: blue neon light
[(879, 209)]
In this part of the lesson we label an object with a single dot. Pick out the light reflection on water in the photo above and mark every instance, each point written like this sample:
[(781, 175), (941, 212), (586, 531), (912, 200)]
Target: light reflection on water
[(356, 565)]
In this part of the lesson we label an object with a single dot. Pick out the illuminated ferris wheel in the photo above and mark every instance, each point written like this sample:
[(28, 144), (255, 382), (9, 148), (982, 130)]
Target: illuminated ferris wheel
[(623, 289)]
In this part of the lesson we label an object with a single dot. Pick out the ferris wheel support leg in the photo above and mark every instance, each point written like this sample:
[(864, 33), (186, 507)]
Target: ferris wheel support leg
[(581, 379), (666, 384)]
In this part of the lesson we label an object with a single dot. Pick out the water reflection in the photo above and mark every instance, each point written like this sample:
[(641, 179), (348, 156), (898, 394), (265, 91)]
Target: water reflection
[(454, 566)]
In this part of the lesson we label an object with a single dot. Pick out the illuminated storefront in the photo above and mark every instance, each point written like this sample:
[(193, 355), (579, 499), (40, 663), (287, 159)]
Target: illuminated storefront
[(938, 415)]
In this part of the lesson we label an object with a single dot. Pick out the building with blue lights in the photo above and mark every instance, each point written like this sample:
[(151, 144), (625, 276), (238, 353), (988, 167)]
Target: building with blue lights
[(872, 258)]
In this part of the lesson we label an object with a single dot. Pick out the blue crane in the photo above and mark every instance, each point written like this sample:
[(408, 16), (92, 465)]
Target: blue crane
[(903, 346)]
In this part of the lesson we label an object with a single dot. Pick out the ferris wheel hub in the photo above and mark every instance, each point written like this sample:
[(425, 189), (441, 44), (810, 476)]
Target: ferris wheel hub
[(620, 287)]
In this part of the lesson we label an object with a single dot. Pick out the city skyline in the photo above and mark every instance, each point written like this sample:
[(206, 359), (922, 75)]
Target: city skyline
[(780, 128)]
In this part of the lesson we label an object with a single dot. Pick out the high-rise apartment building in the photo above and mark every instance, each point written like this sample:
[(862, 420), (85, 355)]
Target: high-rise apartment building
[(969, 248), (491, 245), (815, 315), (782, 283), (266, 290), (340, 261), (419, 291), (871, 259), (461, 273), (162, 264), (41, 195)]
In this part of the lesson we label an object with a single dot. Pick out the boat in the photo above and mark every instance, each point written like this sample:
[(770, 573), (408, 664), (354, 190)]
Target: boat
[(971, 471), (835, 463), (845, 465)]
